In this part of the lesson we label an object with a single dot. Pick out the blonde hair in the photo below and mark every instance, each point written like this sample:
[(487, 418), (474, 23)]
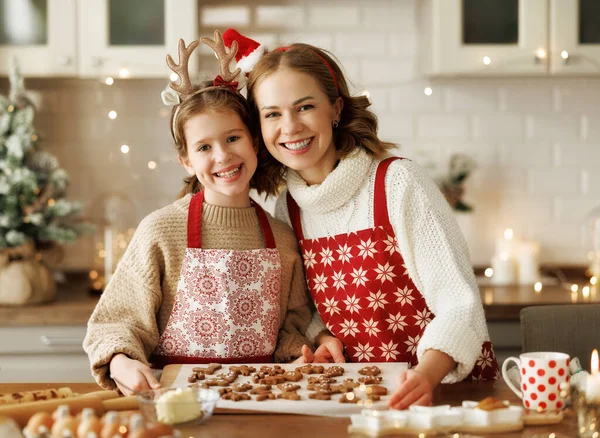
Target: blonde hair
[(357, 127), (216, 99)]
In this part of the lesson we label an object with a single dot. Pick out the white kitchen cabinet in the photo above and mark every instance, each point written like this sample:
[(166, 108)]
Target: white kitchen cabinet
[(509, 37), (574, 37), (483, 37), (131, 38), (43, 354), (42, 34)]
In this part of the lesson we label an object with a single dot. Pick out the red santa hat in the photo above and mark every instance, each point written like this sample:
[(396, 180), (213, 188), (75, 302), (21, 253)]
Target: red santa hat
[(249, 51)]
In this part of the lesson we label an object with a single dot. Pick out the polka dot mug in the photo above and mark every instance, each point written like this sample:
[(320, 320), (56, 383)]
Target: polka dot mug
[(542, 377)]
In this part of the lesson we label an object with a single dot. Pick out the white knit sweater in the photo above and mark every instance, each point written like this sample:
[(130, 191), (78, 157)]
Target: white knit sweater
[(429, 240)]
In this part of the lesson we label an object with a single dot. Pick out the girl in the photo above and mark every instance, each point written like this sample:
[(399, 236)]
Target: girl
[(386, 264), (211, 277)]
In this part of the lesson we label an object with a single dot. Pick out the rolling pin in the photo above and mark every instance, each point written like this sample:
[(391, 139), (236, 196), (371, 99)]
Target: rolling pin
[(22, 412)]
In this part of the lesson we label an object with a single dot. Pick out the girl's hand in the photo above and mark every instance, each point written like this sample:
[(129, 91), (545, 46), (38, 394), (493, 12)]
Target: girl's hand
[(331, 349), (307, 355), (413, 389), (132, 373)]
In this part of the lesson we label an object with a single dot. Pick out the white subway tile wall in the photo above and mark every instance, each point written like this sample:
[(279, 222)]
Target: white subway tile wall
[(536, 141)]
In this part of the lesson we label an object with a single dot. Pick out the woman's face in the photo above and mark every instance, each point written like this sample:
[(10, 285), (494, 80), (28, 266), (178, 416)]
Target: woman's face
[(221, 153), (296, 119)]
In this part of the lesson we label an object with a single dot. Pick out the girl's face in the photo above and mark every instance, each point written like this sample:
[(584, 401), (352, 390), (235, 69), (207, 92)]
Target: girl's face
[(296, 119), (221, 153)]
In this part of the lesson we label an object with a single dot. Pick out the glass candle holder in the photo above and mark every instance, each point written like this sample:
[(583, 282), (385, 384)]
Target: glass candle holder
[(116, 217), (588, 413)]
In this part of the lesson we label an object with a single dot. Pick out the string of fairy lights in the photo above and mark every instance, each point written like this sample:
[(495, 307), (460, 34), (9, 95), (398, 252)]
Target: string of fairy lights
[(109, 251)]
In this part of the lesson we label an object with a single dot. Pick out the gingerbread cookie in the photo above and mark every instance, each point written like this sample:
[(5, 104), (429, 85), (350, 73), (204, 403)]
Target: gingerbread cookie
[(272, 380), (491, 403), (236, 396), (272, 371), (289, 395), (260, 388), (242, 387), (349, 398), (320, 395), (370, 371), (293, 376), (321, 379), (265, 396), (334, 371), (195, 376), (210, 369), (376, 390), (370, 380), (309, 368), (318, 386), (244, 370), (288, 387), (339, 389), (350, 383), (230, 376), (223, 391)]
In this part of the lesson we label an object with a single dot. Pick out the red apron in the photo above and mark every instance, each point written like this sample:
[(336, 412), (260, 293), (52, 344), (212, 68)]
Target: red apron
[(227, 305), (364, 294)]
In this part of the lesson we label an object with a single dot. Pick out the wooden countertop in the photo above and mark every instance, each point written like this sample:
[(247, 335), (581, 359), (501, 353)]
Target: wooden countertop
[(504, 303), (269, 425)]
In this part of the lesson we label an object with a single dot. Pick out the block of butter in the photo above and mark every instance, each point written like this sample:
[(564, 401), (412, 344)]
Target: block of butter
[(178, 406)]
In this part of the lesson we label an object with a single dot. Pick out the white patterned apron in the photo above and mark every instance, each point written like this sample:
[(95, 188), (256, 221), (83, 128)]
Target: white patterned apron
[(227, 305)]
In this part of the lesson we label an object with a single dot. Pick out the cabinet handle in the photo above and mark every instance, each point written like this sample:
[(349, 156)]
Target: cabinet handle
[(53, 341), (96, 62)]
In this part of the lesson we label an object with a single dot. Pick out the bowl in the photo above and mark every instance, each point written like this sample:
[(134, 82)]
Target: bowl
[(178, 406)]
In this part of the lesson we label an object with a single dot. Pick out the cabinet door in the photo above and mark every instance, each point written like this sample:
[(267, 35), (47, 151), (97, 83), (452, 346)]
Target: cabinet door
[(41, 34), (55, 368), (131, 38), (485, 37), (575, 36)]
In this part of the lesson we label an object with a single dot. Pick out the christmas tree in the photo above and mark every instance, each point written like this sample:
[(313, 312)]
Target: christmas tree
[(33, 208)]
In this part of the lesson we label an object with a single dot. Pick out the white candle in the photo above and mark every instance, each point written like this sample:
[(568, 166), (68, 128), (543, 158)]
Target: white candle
[(505, 269), (592, 384), (527, 259), (108, 254), (506, 244)]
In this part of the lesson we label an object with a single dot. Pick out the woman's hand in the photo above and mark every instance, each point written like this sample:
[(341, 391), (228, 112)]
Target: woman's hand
[(330, 349), (413, 389), (132, 373), (415, 386)]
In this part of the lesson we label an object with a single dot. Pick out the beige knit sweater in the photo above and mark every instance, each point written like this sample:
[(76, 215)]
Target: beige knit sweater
[(135, 307)]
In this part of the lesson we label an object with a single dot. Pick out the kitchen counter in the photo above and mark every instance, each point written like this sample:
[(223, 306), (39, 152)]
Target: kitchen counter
[(277, 425), (74, 304)]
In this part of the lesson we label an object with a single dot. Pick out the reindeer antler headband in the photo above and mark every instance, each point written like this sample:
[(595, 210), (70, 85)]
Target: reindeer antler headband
[(181, 90)]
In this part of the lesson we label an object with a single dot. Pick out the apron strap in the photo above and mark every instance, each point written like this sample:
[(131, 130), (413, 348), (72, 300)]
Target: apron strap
[(194, 231), (294, 212), (380, 210), (264, 225)]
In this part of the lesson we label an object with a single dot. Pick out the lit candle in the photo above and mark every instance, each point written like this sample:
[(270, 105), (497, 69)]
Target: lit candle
[(592, 384), (527, 258)]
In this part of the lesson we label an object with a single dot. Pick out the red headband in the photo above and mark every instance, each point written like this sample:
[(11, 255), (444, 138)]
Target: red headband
[(322, 59)]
